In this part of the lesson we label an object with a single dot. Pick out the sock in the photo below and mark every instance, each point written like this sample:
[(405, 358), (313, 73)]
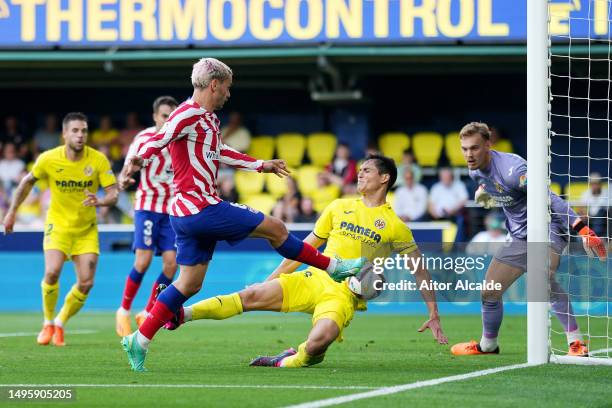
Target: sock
[(167, 304), (50, 293), (573, 336), (73, 302), (142, 340), (488, 344), (492, 316), (300, 251), (301, 358), (160, 279), (132, 283), (217, 308), (561, 305), (188, 314)]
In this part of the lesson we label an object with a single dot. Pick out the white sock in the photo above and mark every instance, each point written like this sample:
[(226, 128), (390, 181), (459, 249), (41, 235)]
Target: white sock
[(142, 340), (188, 314), (487, 344), (58, 322), (573, 336), (47, 322), (123, 311), (333, 263)]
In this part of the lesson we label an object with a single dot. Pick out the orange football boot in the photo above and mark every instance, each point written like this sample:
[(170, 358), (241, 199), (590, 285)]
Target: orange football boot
[(140, 318), (469, 349), (58, 337), (44, 337), (122, 324), (578, 348)]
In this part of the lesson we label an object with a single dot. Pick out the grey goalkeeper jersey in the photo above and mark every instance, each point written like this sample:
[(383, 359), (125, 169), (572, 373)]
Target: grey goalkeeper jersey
[(506, 181)]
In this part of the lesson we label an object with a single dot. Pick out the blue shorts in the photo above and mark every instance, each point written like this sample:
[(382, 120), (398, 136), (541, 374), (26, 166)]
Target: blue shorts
[(153, 232), (197, 235)]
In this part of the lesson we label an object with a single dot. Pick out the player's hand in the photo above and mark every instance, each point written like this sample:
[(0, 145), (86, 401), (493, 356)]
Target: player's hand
[(91, 200), (593, 245), (276, 166), (9, 222), (433, 323), (483, 198), (133, 165)]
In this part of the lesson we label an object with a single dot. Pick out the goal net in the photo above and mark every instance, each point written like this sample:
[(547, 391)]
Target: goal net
[(579, 170)]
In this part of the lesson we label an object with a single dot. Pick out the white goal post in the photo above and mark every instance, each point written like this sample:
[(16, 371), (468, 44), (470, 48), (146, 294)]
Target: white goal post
[(569, 118)]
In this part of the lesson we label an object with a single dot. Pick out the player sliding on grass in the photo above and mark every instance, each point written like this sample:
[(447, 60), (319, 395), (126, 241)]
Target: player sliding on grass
[(198, 216), (350, 227), (152, 229), (74, 172), (502, 178)]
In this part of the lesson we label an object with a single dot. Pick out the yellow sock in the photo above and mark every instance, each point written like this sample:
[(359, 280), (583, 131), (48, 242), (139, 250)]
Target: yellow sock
[(50, 293), (217, 308), (302, 358), (73, 302)]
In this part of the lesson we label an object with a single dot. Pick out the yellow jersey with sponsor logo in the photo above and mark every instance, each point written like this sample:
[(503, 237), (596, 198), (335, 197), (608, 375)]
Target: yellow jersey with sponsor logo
[(68, 181)]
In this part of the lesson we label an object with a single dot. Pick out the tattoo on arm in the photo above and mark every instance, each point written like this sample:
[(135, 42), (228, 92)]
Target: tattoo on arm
[(22, 191)]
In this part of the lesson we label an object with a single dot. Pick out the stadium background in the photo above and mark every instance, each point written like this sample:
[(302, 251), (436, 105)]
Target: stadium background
[(421, 77)]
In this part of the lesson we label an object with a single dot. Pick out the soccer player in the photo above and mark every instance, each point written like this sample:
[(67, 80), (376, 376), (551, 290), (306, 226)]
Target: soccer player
[(74, 172), (198, 216), (502, 178), (152, 229), (347, 226)]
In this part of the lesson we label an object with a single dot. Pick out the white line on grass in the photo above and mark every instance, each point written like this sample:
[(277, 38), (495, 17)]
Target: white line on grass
[(404, 387), (600, 351), (276, 386), (27, 334)]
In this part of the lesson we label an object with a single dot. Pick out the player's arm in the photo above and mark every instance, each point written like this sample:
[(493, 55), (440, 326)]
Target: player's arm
[(111, 195), (234, 158), (429, 297), (20, 194), (288, 265)]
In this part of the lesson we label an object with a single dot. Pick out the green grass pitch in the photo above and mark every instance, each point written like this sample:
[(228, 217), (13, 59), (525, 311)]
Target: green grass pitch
[(379, 350)]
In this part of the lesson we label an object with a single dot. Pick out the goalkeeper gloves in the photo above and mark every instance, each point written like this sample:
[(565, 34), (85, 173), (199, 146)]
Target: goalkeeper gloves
[(593, 245), (483, 198)]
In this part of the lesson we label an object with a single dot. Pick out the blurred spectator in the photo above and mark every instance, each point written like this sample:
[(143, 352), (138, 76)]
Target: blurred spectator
[(29, 212), (131, 129), (49, 135), (13, 133), (10, 167), (342, 171), (227, 188), (499, 142), (408, 162), (596, 200), (325, 193), (106, 136), (307, 212), (287, 207), (411, 199), (488, 241), (4, 201), (235, 135), (447, 197)]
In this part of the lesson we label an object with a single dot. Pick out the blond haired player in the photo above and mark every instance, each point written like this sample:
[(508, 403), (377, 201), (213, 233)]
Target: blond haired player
[(74, 172), (365, 226)]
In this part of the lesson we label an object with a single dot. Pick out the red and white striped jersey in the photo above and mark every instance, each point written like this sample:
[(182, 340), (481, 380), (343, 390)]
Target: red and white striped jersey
[(155, 191), (193, 137)]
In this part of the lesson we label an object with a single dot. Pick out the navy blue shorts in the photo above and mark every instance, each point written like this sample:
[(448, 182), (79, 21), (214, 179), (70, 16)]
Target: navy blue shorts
[(153, 232), (197, 235)]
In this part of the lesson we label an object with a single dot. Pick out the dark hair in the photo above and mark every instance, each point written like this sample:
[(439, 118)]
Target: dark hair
[(385, 165), (73, 116), (164, 100)]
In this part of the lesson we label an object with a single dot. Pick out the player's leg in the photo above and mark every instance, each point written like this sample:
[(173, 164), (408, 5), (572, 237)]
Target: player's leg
[(562, 307), (492, 309), (169, 268), (132, 284), (54, 261), (312, 351), (85, 267), (290, 247)]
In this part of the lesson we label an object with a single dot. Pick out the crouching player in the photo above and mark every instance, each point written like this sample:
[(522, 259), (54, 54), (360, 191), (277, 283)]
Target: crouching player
[(152, 229), (347, 225)]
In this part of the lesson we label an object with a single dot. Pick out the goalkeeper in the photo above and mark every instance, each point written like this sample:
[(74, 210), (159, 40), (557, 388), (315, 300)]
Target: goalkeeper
[(348, 226), (502, 180)]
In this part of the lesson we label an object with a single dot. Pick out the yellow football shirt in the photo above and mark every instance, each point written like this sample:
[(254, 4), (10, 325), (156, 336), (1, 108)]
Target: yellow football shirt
[(68, 181), (353, 230)]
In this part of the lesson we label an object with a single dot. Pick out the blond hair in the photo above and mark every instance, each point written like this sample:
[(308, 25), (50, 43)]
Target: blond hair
[(473, 128), (207, 69)]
